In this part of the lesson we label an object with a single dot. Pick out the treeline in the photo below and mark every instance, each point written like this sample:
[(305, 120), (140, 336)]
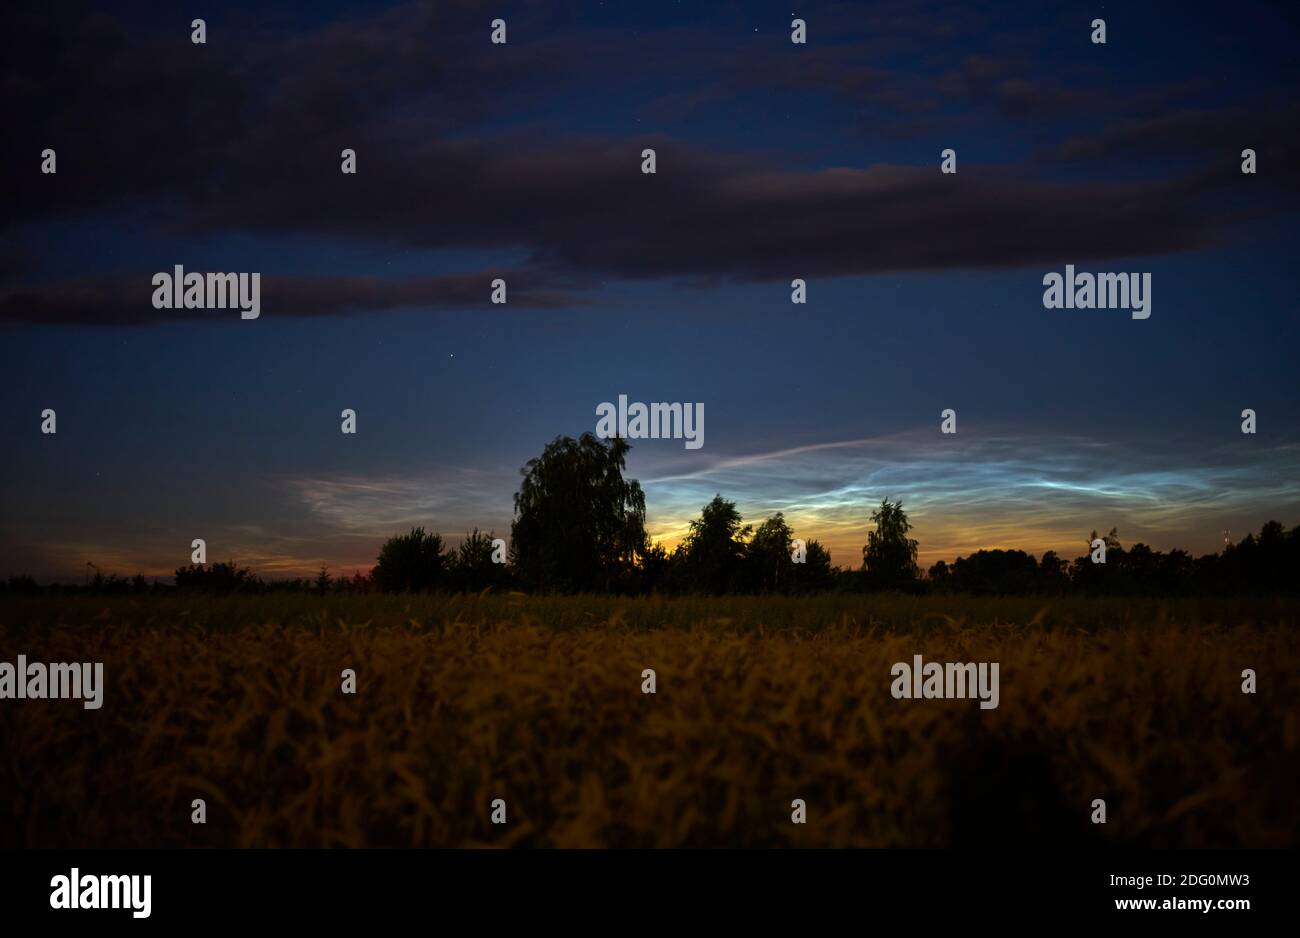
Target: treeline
[(579, 526), (721, 556), (1266, 564), (718, 556)]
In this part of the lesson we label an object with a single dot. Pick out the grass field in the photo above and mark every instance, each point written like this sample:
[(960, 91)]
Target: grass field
[(538, 701)]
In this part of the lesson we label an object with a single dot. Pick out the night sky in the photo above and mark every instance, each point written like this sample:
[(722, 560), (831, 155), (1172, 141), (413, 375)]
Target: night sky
[(523, 161)]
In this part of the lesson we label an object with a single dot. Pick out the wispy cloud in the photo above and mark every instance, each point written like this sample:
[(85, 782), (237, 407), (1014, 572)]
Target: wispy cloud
[(1009, 489), (963, 492), (452, 501), (967, 492)]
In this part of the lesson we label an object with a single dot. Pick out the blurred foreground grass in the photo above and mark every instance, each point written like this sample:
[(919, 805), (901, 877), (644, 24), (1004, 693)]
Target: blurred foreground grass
[(537, 700)]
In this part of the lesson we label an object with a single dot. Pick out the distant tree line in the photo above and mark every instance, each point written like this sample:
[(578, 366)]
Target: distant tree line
[(579, 526), (1263, 564)]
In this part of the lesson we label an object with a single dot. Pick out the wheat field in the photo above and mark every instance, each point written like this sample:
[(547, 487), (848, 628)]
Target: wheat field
[(759, 701)]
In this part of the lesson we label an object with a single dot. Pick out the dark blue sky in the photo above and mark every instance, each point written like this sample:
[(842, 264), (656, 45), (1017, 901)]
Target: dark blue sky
[(522, 161)]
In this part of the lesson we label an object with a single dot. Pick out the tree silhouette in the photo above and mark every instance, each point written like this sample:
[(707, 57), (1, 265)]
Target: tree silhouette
[(995, 572), (889, 556), (410, 563), (472, 568), (815, 574), (714, 550), (768, 556), (1053, 573), (218, 578), (578, 525)]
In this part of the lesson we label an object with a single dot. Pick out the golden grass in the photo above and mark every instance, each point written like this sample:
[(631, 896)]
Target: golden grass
[(538, 701)]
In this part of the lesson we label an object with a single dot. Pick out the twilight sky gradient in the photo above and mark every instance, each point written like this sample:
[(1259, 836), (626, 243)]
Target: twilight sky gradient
[(523, 161)]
